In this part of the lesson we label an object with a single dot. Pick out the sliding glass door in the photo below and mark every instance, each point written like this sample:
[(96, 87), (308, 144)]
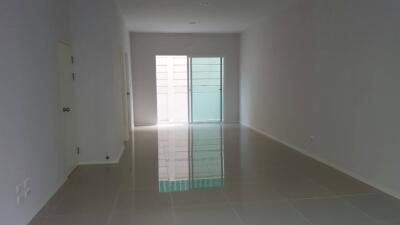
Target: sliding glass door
[(189, 89), (206, 88), (172, 89)]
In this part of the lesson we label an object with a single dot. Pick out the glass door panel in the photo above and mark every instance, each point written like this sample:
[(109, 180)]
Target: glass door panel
[(172, 89), (206, 89)]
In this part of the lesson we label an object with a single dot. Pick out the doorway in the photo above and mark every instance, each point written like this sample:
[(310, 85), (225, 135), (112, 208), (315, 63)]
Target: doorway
[(189, 89), (66, 82)]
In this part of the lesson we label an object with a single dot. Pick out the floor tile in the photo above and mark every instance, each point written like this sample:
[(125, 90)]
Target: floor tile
[(379, 206), (151, 217), (251, 192), (263, 181), (198, 197), (270, 213), (38, 221), (300, 187), (77, 219), (50, 206), (393, 222), (338, 182), (142, 201), (210, 215), (332, 211), (85, 203)]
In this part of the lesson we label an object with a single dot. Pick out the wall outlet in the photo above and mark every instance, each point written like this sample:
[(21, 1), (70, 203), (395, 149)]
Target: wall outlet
[(27, 183), (18, 189), (23, 191), (20, 199), (27, 192)]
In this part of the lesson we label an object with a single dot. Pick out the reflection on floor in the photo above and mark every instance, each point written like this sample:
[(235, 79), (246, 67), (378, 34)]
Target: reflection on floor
[(190, 158), (214, 175)]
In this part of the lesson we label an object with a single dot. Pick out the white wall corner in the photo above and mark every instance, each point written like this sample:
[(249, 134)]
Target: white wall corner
[(105, 162), (51, 195), (356, 176)]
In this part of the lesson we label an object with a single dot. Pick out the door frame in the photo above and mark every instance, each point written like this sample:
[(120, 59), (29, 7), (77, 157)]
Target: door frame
[(126, 95), (222, 80), (189, 83), (187, 78), (65, 152)]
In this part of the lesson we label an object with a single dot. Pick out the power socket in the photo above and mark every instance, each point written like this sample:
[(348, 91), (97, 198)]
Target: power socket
[(27, 192), (23, 191), (18, 189), (27, 183), (20, 199)]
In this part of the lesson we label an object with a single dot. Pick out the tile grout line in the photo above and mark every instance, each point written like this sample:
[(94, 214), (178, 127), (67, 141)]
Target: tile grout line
[(114, 205), (358, 194), (340, 197), (299, 212), (364, 213), (233, 209), (332, 196), (172, 208), (324, 187)]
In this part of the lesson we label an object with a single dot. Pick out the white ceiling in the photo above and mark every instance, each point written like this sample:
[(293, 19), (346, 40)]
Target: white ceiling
[(209, 16)]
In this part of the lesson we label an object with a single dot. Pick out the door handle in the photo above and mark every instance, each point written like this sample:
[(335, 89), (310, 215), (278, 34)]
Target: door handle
[(66, 109)]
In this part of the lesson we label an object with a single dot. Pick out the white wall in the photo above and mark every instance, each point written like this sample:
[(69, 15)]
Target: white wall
[(275, 71), (356, 81), (99, 39), (30, 119), (329, 69), (145, 46)]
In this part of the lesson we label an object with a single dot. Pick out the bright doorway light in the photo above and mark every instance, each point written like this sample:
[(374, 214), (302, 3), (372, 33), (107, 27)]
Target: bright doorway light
[(172, 89)]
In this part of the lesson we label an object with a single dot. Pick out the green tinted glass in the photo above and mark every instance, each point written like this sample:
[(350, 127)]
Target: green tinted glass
[(207, 159), (206, 81)]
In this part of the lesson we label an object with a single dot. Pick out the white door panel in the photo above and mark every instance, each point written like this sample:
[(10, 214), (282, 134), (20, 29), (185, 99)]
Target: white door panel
[(67, 108)]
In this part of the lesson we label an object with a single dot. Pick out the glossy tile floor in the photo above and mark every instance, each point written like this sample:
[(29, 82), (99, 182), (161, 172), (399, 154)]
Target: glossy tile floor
[(213, 175)]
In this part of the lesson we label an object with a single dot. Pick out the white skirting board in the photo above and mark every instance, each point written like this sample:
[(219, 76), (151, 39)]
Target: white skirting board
[(50, 196), (116, 161), (386, 190), (82, 163)]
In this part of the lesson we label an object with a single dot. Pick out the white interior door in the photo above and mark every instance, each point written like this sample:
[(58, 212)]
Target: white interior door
[(126, 96), (70, 152)]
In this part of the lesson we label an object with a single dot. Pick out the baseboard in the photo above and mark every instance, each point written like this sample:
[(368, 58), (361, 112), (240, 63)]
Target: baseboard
[(105, 162), (144, 124), (120, 154), (50, 196), (81, 163), (356, 176), (97, 163), (184, 124)]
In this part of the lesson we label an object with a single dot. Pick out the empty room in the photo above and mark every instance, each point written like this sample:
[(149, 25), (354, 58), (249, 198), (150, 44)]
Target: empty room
[(194, 112)]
